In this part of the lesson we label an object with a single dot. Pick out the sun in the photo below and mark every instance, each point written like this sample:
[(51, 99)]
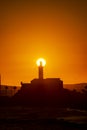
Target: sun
[(41, 61)]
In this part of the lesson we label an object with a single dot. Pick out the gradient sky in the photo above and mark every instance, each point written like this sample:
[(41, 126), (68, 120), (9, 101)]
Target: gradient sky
[(53, 29)]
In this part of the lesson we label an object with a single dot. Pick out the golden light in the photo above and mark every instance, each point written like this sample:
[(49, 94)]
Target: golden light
[(41, 60)]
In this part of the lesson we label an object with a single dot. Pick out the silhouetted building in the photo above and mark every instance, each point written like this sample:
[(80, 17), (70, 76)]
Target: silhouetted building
[(40, 90), (48, 83)]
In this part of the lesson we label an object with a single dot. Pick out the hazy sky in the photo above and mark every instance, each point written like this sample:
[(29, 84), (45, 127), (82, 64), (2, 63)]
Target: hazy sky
[(53, 29)]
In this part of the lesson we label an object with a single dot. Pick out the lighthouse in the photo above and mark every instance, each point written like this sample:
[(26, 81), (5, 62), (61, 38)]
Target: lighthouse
[(40, 63), (40, 68)]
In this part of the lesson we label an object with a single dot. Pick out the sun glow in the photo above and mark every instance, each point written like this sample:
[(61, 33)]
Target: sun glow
[(41, 61)]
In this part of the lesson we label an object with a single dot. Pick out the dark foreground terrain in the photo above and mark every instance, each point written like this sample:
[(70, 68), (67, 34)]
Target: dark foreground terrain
[(26, 118)]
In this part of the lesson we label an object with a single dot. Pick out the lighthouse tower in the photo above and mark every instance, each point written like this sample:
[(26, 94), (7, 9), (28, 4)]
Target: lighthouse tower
[(40, 68)]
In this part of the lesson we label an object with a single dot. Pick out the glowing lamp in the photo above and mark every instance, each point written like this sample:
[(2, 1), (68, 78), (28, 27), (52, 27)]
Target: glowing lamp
[(41, 62)]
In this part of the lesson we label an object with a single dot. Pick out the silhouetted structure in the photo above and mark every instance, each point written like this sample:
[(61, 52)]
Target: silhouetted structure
[(40, 91), (41, 71)]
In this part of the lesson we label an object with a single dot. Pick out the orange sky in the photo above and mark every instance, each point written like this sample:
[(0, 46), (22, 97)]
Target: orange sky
[(53, 29)]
